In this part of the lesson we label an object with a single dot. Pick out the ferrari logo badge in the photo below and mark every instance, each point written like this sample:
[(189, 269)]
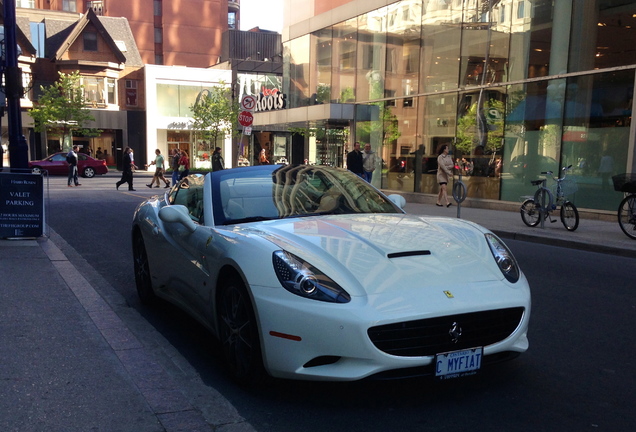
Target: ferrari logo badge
[(449, 294)]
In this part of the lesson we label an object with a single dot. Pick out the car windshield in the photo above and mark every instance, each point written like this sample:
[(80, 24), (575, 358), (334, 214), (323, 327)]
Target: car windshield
[(268, 192)]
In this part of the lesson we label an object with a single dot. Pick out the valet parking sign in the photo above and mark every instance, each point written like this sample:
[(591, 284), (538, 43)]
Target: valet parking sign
[(21, 205)]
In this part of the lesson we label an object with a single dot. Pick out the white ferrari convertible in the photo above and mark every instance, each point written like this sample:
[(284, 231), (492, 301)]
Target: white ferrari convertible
[(309, 272)]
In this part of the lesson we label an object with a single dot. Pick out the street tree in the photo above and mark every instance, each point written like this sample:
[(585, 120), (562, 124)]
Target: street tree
[(61, 110), (214, 116)]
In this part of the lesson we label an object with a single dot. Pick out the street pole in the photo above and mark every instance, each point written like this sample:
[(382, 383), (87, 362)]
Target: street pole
[(18, 148)]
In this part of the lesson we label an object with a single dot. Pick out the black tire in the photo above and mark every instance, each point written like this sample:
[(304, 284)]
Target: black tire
[(530, 213), (238, 332), (89, 172), (142, 271), (627, 216), (569, 216)]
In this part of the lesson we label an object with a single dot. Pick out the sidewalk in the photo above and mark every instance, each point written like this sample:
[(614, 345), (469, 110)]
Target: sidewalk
[(70, 363)]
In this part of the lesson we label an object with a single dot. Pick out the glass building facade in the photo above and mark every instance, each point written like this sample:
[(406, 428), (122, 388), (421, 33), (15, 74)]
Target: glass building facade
[(514, 87)]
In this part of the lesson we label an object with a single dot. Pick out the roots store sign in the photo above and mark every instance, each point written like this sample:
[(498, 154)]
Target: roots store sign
[(270, 100)]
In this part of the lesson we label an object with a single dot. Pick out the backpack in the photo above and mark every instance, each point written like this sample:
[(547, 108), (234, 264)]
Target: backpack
[(69, 159)]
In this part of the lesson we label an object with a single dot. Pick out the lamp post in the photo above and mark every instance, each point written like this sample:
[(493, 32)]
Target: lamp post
[(18, 149)]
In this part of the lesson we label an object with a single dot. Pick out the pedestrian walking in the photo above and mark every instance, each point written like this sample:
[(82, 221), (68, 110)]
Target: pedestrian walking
[(369, 160), (174, 165), (354, 160), (128, 165), (445, 166), (217, 160), (159, 168), (184, 165), (71, 158)]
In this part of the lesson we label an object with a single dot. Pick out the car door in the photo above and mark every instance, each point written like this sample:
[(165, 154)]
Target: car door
[(57, 165), (187, 275)]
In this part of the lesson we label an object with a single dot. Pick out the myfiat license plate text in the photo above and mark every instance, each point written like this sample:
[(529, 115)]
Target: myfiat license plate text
[(456, 364)]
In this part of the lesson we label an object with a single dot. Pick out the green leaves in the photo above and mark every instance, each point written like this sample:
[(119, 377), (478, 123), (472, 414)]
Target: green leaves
[(61, 109)]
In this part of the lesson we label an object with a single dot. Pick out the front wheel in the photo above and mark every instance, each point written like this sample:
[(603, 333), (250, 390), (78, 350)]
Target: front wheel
[(142, 271), (530, 213), (627, 216), (238, 332), (569, 216)]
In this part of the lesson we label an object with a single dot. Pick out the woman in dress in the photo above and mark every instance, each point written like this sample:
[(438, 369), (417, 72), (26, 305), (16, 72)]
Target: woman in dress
[(445, 166)]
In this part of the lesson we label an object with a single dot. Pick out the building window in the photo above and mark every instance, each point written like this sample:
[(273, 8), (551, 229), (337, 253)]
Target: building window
[(521, 9), (158, 35), (69, 5), (502, 18), (158, 59), (131, 93), (157, 7), (231, 20), (25, 4), (38, 39), (99, 90), (90, 41)]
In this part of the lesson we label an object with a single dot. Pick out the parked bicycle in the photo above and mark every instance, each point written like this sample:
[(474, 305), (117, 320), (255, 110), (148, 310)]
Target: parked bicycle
[(544, 202), (626, 183)]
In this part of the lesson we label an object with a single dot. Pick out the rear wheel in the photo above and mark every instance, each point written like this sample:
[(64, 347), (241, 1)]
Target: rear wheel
[(530, 213), (89, 172), (142, 271), (627, 216), (569, 216), (238, 332)]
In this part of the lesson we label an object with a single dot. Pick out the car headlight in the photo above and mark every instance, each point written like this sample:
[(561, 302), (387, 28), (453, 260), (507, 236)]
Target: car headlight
[(504, 258), (301, 278)]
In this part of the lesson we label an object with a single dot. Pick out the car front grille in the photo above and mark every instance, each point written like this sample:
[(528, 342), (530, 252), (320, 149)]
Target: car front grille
[(431, 336)]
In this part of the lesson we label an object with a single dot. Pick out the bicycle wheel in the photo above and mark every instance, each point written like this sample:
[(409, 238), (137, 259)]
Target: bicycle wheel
[(569, 216), (543, 199), (627, 216), (530, 213)]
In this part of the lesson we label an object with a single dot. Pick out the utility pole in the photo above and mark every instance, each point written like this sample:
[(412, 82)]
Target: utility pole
[(18, 148)]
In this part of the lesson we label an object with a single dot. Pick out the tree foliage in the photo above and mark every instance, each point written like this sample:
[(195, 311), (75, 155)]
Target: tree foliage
[(214, 115), (61, 110)]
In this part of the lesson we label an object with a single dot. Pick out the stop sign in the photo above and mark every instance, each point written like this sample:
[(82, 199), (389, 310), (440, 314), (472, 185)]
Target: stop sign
[(245, 118)]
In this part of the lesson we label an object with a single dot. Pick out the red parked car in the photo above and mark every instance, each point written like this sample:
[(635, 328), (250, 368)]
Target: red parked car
[(56, 165)]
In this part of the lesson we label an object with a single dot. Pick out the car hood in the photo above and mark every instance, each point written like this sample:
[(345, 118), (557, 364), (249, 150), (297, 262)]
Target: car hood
[(385, 251)]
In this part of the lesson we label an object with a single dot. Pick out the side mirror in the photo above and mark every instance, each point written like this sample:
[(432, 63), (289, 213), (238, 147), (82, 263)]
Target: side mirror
[(398, 200), (177, 214)]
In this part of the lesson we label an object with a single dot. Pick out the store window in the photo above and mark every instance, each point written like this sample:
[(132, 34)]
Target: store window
[(371, 51), (603, 36), (440, 47), (320, 76), (298, 61), (344, 54)]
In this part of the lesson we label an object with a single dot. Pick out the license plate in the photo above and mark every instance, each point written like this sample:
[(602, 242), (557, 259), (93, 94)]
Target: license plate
[(456, 364)]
